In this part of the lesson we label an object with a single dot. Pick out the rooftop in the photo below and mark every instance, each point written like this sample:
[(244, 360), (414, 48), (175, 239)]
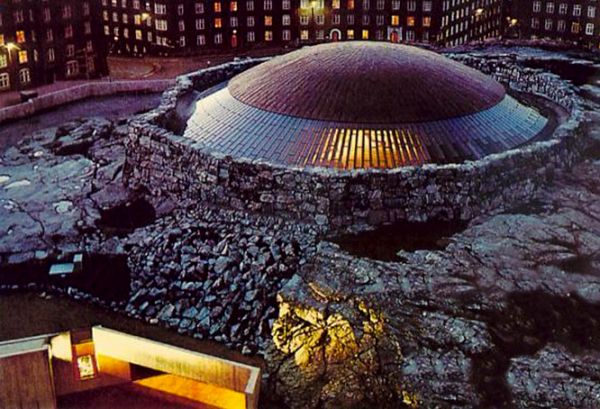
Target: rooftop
[(366, 82)]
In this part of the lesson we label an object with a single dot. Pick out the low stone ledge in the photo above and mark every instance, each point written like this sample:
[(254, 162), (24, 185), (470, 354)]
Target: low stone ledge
[(79, 92)]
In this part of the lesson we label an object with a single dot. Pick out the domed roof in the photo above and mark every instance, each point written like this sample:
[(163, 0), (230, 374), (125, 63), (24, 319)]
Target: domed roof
[(361, 105), (366, 82)]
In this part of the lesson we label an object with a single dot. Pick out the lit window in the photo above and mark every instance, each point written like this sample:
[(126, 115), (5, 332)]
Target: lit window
[(23, 58), (85, 366), (20, 37)]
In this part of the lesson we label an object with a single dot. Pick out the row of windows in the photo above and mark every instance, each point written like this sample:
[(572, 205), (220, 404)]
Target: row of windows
[(72, 69), (18, 16), (200, 24), (24, 78), (67, 33), (22, 56), (250, 5), (286, 35), (561, 26), (563, 9)]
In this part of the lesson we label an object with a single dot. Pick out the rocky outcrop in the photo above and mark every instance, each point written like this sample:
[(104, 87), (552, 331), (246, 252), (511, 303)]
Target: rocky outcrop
[(54, 186), (465, 323)]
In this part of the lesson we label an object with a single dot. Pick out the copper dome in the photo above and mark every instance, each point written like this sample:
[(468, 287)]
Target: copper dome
[(366, 82), (360, 105)]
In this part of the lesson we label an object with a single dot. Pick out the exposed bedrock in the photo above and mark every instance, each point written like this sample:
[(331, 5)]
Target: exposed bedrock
[(469, 324)]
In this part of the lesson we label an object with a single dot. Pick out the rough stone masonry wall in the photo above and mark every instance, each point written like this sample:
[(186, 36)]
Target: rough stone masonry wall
[(170, 165)]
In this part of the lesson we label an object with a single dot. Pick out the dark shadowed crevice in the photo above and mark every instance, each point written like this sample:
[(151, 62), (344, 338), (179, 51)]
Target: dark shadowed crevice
[(383, 243), (126, 217)]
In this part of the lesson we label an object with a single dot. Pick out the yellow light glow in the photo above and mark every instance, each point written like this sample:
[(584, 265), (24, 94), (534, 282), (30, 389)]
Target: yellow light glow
[(195, 391), (11, 46), (314, 338), (412, 400)]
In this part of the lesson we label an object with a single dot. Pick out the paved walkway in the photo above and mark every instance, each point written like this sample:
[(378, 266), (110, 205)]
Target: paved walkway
[(162, 67), (12, 98), (127, 68), (112, 107)]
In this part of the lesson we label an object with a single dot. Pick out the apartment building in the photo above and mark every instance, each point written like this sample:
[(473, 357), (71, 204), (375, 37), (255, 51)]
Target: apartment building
[(573, 21), (137, 27), (161, 27), (42, 41)]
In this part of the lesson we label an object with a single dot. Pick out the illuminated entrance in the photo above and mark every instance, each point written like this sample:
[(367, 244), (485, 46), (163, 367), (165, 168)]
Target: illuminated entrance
[(87, 366), (185, 374)]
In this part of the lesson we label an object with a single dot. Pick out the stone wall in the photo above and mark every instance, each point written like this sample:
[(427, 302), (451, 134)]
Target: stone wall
[(79, 92), (170, 165), (505, 70)]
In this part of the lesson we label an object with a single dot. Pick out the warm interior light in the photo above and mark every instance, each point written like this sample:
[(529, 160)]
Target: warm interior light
[(194, 391), (85, 366)]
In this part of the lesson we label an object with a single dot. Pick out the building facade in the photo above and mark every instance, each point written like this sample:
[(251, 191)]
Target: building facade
[(573, 21), (42, 41), (161, 27)]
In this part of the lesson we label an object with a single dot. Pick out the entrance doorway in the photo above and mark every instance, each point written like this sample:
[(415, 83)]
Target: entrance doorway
[(335, 35)]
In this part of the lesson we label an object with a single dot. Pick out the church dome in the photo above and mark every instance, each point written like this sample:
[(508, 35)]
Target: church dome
[(359, 105), (366, 82)]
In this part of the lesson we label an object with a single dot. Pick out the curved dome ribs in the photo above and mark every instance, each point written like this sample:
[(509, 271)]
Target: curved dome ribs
[(366, 82), (317, 107)]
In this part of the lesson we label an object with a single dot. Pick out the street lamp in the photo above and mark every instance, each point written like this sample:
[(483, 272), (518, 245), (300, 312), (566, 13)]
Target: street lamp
[(9, 48)]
